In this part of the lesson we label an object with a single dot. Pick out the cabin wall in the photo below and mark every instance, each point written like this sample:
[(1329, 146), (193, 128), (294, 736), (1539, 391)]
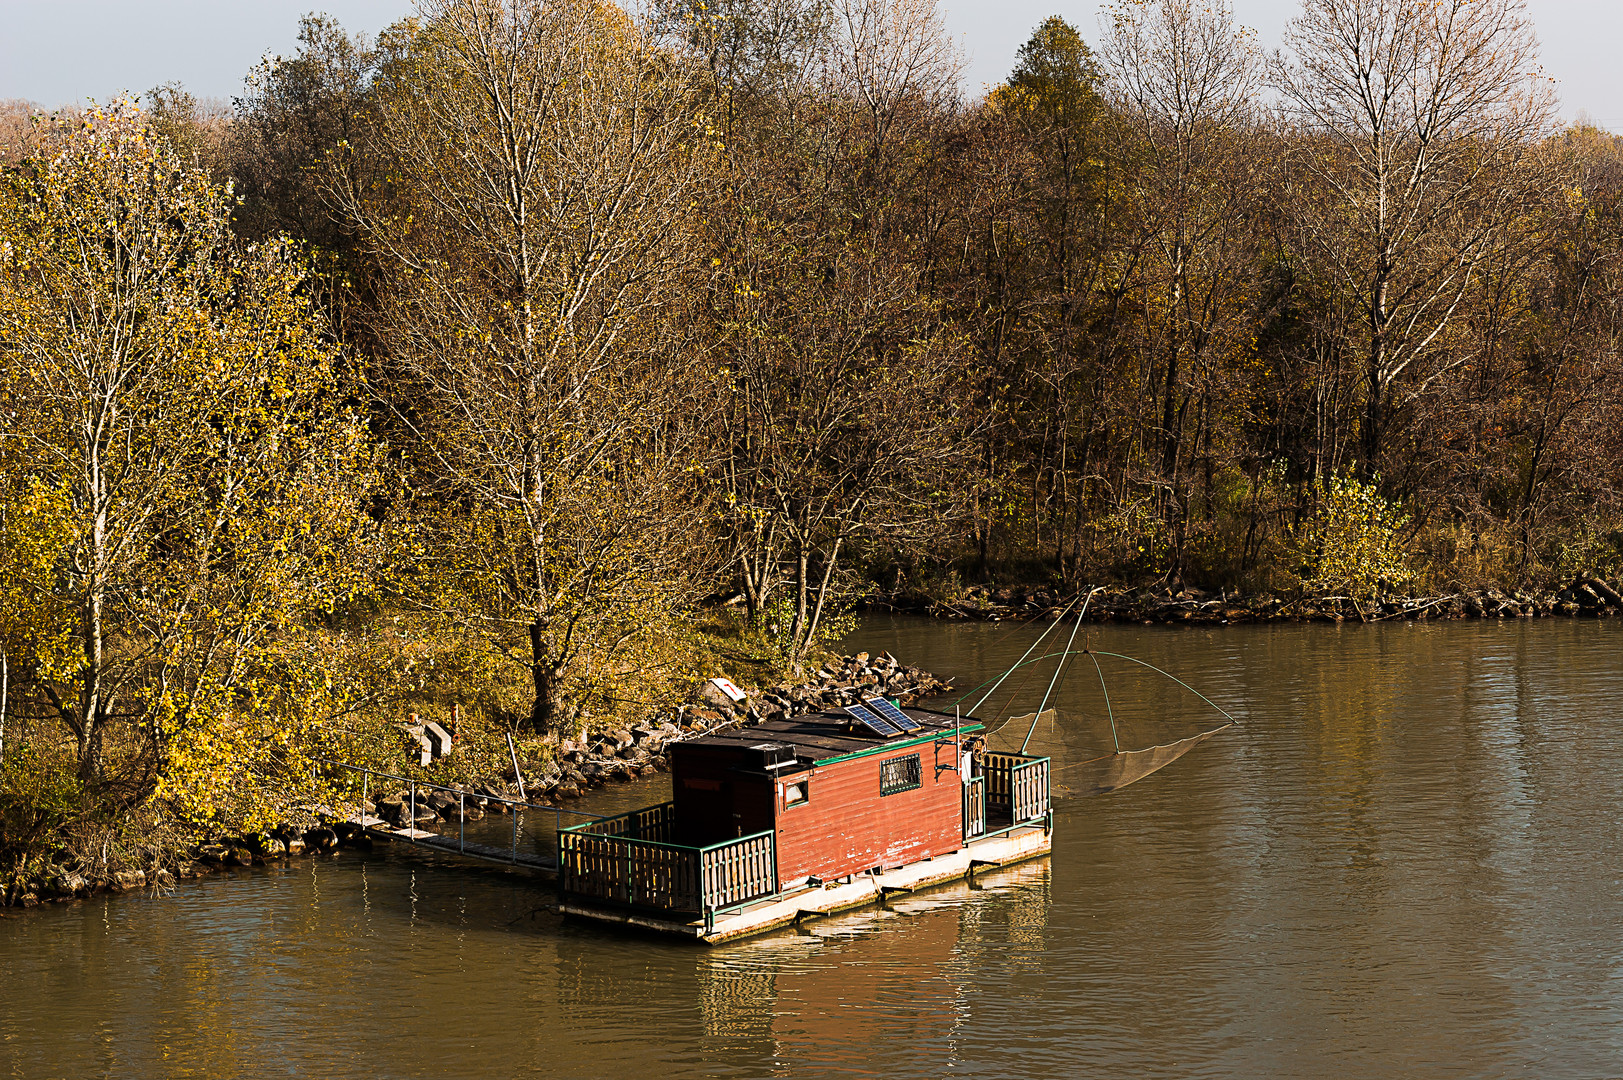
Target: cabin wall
[(714, 800), (846, 826)]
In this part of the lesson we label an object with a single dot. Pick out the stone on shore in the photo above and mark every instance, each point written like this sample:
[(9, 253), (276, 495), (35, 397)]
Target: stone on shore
[(320, 839)]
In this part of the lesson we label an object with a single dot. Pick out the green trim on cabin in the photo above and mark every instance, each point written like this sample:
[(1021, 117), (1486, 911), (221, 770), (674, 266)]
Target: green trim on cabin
[(899, 744)]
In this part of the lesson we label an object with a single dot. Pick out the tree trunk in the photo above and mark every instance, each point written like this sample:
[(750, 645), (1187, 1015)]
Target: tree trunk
[(1374, 406), (1375, 403), (822, 596), (541, 673), (798, 627), (91, 709)]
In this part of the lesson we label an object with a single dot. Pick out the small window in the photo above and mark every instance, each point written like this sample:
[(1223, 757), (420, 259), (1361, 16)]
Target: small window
[(794, 794), (899, 774)]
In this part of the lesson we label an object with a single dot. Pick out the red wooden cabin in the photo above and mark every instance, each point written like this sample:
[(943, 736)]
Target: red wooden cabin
[(837, 803), (794, 803)]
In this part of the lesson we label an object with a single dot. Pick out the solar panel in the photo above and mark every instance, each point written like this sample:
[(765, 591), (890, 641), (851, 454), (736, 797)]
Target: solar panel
[(896, 716), (881, 728)]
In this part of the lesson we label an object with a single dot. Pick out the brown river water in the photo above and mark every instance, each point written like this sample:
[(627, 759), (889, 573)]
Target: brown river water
[(1406, 861)]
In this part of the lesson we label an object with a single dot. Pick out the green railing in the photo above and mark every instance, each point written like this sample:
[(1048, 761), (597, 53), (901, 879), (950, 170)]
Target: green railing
[(656, 823), (630, 860)]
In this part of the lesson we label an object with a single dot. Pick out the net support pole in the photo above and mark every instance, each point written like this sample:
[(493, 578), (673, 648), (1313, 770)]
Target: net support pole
[(518, 775), (1060, 668), (1022, 659), (1108, 710)]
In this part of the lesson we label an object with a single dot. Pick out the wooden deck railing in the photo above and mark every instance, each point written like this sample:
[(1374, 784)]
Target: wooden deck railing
[(1016, 784), (1028, 783), (739, 870), (975, 807), (656, 823), (626, 860)]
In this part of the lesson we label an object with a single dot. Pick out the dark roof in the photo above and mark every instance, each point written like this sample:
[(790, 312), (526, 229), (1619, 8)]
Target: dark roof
[(823, 736)]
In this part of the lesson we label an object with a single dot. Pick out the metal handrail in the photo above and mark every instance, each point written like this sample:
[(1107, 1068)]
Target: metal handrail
[(462, 817)]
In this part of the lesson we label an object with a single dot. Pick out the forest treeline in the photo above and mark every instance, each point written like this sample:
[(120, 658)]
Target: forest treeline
[(465, 362)]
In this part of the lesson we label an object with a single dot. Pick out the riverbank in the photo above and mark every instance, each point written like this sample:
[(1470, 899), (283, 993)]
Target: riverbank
[(621, 754), (1585, 596), (572, 768)]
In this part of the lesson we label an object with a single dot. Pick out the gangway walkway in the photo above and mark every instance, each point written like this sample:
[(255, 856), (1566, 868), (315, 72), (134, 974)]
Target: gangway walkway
[(459, 845)]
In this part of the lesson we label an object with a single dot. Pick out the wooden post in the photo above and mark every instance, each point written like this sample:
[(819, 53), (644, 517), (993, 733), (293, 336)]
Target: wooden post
[(518, 775), (456, 715)]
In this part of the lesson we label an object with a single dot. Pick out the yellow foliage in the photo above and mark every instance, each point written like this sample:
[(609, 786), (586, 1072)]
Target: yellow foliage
[(194, 479), (1352, 543)]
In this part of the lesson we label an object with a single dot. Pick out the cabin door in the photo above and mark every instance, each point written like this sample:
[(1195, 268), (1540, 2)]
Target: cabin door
[(754, 806)]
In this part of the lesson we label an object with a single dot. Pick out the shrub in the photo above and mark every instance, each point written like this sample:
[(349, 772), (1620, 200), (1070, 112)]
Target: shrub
[(1351, 545)]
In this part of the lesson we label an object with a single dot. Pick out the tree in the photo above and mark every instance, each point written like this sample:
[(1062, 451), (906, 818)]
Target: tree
[(1051, 102), (1353, 542), (34, 634), (195, 130), (1415, 116), (542, 160), (295, 112), (176, 406), (837, 417), (1185, 78), (895, 62)]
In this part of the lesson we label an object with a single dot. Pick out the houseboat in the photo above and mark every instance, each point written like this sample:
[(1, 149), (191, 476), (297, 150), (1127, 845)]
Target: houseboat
[(802, 817)]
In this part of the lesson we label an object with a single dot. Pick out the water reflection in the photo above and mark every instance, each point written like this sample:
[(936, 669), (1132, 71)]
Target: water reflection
[(824, 997)]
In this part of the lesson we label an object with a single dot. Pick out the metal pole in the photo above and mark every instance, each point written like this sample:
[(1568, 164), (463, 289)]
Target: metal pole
[(1055, 680), (411, 825), (1022, 659), (1108, 711), (461, 821), (366, 785)]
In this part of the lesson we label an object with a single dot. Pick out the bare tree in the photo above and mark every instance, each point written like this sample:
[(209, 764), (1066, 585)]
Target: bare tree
[(836, 358), (545, 157), (1415, 113), (759, 54), (890, 53), (1185, 79)]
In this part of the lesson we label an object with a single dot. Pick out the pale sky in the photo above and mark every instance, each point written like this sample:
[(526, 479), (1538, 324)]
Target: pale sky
[(69, 50)]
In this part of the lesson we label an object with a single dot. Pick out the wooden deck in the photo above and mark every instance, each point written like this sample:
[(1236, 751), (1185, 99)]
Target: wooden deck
[(860, 890)]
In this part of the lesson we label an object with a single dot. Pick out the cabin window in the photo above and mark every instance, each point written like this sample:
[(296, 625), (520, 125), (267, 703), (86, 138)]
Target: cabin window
[(899, 774), (795, 794)]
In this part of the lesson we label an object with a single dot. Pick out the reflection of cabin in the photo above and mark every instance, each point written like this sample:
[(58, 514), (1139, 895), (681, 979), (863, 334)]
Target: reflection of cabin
[(766, 815)]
